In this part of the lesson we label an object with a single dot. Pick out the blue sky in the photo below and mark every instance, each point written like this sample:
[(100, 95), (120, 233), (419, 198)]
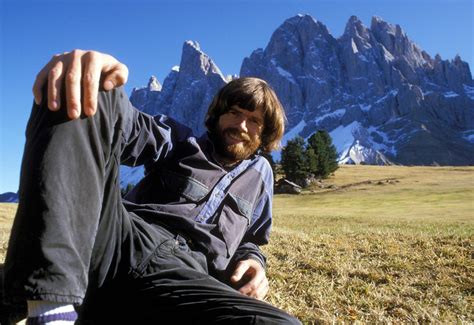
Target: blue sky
[(148, 37)]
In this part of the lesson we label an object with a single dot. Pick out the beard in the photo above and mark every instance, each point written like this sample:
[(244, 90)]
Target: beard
[(233, 152)]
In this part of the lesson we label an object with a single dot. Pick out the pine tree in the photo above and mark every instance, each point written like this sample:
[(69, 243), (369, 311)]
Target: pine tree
[(323, 158), (293, 160)]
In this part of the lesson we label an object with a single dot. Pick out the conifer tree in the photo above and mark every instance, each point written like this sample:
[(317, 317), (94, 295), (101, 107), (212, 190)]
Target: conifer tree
[(293, 160), (322, 154)]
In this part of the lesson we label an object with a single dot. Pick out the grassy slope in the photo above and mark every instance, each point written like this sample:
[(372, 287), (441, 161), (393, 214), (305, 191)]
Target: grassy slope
[(384, 244), (391, 244)]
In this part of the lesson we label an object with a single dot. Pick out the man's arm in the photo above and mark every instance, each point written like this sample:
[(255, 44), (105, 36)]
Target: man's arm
[(72, 71), (86, 72), (249, 271)]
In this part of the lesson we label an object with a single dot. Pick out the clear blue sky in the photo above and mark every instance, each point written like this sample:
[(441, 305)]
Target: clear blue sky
[(148, 37)]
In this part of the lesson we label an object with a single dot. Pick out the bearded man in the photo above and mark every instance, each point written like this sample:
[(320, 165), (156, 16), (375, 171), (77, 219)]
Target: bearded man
[(183, 245)]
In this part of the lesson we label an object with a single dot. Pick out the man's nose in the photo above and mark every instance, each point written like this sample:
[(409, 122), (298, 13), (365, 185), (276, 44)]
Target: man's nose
[(242, 124)]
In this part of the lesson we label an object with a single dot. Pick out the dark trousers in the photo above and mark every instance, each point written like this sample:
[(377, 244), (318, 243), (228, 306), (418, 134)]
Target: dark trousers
[(73, 241)]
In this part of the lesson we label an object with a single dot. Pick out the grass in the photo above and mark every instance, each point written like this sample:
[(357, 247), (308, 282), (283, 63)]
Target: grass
[(377, 245), (371, 245)]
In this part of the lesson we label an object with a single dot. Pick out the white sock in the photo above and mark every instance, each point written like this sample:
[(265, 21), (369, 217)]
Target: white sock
[(50, 313)]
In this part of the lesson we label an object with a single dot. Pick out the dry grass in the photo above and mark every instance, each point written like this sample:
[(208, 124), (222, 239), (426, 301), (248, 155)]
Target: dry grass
[(7, 212), (382, 245), (374, 251)]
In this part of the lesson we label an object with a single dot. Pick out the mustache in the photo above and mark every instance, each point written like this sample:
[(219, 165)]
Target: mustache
[(237, 134)]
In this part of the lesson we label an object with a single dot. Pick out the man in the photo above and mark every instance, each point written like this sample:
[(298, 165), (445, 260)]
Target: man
[(172, 250)]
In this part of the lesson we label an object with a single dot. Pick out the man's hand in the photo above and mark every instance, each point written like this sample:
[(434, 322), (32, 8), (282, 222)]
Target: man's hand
[(250, 279), (75, 71)]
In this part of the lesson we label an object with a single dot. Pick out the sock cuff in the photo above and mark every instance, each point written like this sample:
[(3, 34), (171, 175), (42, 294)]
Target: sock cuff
[(42, 307), (45, 319)]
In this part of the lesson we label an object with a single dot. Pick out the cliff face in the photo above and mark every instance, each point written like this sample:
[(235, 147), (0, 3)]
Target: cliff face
[(380, 96)]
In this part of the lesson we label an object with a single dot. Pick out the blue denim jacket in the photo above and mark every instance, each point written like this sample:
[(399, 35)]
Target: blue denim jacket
[(226, 214)]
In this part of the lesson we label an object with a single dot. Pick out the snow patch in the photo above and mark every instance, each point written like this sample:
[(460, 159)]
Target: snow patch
[(336, 114), (365, 108), (450, 94), (387, 146), (363, 58), (343, 137), (469, 91), (282, 72), (175, 68), (387, 55), (468, 135), (354, 47), (391, 93)]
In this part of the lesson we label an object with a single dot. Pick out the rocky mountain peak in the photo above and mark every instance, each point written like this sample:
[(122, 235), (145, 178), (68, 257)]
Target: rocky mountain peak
[(196, 62), (355, 28), (396, 41), (187, 91), (154, 84)]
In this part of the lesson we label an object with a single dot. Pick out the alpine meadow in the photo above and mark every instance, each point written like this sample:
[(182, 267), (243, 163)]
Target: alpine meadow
[(370, 244)]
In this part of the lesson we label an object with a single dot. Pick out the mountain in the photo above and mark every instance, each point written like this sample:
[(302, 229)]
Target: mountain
[(186, 92), (9, 197), (381, 97)]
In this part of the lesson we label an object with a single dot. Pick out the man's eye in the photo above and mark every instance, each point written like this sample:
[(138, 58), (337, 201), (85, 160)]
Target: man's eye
[(256, 122)]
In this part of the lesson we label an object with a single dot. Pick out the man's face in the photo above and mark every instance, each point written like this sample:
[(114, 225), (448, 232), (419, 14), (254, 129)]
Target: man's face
[(238, 133)]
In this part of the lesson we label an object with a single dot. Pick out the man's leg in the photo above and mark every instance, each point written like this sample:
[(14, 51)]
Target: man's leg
[(172, 286), (69, 192)]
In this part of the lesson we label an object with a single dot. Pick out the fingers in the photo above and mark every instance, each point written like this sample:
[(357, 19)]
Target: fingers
[(257, 287), (239, 272), (79, 73), (42, 78), (55, 77), (117, 75), (73, 85), (90, 81), (251, 278), (38, 85)]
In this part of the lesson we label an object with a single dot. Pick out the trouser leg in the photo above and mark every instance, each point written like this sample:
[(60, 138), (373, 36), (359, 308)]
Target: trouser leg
[(68, 186), (172, 286)]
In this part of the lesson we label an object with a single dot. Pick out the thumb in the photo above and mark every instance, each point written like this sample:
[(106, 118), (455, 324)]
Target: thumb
[(239, 272)]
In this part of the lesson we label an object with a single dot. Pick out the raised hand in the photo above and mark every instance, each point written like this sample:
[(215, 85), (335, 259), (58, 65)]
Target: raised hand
[(79, 73)]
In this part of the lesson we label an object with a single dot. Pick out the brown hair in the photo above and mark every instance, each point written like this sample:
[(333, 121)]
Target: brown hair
[(251, 94)]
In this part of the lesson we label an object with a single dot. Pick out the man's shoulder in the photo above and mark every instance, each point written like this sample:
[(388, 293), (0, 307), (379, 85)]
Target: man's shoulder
[(180, 131), (262, 166), (261, 163)]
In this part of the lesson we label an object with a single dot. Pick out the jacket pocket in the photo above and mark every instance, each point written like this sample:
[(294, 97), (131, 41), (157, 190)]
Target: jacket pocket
[(187, 187), (234, 219)]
